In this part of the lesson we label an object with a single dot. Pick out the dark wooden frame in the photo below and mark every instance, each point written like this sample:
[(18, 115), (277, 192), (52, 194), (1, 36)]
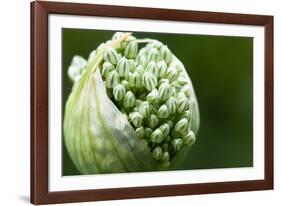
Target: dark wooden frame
[(39, 102)]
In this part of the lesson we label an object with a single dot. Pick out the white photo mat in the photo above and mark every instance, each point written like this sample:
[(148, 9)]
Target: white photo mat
[(57, 182)]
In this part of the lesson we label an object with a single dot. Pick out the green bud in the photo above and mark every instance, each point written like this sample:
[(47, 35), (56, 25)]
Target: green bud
[(136, 119), (163, 81), (165, 91), (157, 153), (154, 108), (131, 50), (142, 52), (172, 74), (140, 132), (112, 79), (182, 104), (140, 69), (144, 109), (152, 67), (129, 100), (165, 156), (165, 147), (111, 55), (126, 84), (186, 115), (124, 67), (157, 136), (142, 60), (170, 123), (165, 129), (166, 54), (182, 80), (153, 55), (162, 66), (119, 92), (148, 132), (153, 121), (149, 81), (163, 112), (106, 68), (117, 36), (171, 103), (168, 139), (135, 79), (155, 44), (181, 126), (185, 90), (189, 139), (177, 144), (153, 96), (175, 134)]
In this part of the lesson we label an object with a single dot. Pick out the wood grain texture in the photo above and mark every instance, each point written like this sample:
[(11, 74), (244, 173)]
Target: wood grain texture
[(39, 102)]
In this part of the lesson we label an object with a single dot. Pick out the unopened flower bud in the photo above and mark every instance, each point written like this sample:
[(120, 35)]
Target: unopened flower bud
[(112, 79), (155, 44), (153, 96), (148, 132), (181, 126), (170, 123), (182, 104), (162, 66), (126, 84), (149, 81), (166, 54), (111, 55), (153, 68), (131, 50), (172, 104), (165, 156), (135, 79), (136, 119), (124, 67), (106, 68), (119, 92), (140, 69), (163, 112), (157, 136), (185, 90), (129, 100), (153, 121), (177, 144), (172, 74), (189, 139), (153, 55), (165, 91), (157, 153), (140, 132), (142, 60), (144, 109), (165, 129)]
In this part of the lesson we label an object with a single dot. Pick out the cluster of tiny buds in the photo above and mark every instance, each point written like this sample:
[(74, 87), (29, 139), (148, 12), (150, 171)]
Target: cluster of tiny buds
[(152, 92)]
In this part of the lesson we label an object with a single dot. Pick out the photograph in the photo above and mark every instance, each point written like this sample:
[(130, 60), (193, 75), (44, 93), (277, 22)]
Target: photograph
[(154, 102)]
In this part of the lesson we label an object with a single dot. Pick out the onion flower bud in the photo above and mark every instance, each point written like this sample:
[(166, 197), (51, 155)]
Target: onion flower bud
[(111, 56), (182, 104), (165, 156), (153, 96), (170, 123), (107, 68), (136, 119), (149, 81), (172, 74), (129, 100), (165, 129), (185, 90), (126, 84), (155, 44), (144, 109), (171, 104), (131, 50), (166, 54), (153, 55), (181, 126), (152, 68), (153, 121), (140, 132), (162, 66), (157, 153), (124, 67), (112, 79), (189, 139), (142, 60), (119, 92), (148, 132), (157, 136), (140, 69), (177, 144), (135, 79), (163, 112), (165, 91)]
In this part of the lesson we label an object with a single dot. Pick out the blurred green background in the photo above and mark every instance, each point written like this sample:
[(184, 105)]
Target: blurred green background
[(221, 69)]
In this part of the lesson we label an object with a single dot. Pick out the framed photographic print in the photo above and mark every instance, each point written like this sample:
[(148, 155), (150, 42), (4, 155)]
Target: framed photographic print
[(131, 102)]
